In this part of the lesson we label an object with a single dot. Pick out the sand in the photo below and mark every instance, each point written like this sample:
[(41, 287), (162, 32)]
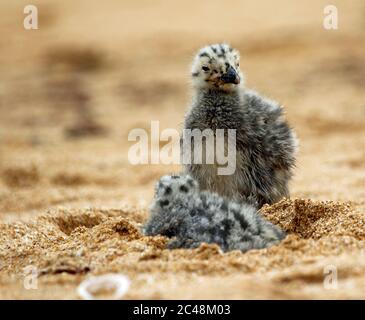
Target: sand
[(71, 204)]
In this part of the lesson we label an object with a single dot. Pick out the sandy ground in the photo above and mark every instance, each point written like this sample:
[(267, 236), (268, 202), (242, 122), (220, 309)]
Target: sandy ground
[(71, 205)]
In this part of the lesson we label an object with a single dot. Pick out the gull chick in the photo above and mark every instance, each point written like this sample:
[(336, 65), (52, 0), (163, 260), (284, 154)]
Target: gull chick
[(191, 217), (265, 143)]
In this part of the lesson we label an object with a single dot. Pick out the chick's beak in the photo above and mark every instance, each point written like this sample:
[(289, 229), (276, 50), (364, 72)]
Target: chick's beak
[(231, 76)]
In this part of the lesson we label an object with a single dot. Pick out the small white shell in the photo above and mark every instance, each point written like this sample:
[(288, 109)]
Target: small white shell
[(89, 287)]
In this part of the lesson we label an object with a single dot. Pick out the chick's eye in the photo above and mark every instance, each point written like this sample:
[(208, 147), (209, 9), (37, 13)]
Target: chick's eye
[(205, 68)]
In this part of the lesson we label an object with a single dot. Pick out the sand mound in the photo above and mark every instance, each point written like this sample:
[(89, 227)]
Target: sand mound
[(74, 244), (311, 219)]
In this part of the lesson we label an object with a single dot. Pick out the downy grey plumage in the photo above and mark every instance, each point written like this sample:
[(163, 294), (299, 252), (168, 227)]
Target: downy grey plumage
[(265, 144), (190, 217)]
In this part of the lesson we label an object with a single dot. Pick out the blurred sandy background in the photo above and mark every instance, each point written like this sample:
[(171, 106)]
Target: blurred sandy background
[(71, 204)]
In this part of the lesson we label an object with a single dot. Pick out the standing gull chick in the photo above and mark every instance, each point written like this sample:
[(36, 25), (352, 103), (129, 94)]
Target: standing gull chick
[(190, 217), (265, 144)]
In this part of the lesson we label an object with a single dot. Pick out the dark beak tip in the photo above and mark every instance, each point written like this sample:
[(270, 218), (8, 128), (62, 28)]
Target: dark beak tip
[(231, 77)]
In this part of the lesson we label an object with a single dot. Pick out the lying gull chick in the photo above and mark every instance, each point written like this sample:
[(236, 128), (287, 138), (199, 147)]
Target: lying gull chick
[(190, 217)]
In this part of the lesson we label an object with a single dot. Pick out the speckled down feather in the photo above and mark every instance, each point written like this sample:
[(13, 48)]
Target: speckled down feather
[(191, 217), (265, 144)]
